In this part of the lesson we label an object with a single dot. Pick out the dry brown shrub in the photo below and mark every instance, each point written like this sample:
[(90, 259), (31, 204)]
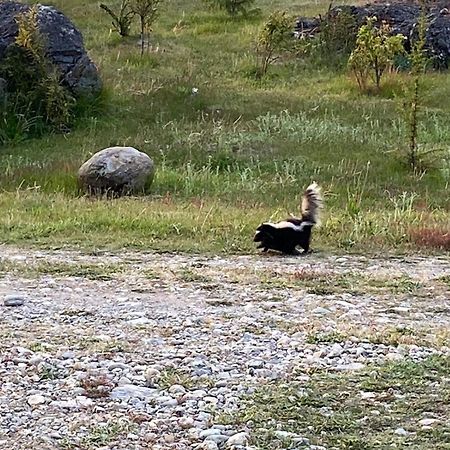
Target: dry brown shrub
[(96, 385), (435, 237)]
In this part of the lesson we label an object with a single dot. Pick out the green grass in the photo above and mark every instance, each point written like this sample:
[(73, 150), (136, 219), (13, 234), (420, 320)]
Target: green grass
[(237, 147), (358, 411), (103, 272)]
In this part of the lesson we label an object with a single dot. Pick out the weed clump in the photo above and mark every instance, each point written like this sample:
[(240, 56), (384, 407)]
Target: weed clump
[(34, 100)]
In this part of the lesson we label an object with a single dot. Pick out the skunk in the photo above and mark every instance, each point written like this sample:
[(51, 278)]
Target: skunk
[(284, 236)]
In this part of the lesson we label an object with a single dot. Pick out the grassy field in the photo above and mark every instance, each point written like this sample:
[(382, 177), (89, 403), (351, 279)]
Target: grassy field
[(235, 154)]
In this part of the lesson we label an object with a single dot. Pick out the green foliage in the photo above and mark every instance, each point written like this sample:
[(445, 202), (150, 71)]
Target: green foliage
[(374, 52), (35, 100), (57, 101), (29, 36), (233, 146), (232, 7), (148, 11), (121, 21), (337, 37), (274, 38)]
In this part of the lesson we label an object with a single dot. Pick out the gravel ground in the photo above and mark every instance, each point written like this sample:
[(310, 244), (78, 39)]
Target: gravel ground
[(145, 351)]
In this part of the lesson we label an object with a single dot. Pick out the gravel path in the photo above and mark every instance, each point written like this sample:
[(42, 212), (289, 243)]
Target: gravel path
[(145, 351)]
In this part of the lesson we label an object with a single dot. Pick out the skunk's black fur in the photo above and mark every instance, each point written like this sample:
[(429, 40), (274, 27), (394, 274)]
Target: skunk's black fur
[(286, 235)]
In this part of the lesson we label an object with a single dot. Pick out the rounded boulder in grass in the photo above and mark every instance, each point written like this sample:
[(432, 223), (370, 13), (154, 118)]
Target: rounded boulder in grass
[(117, 171)]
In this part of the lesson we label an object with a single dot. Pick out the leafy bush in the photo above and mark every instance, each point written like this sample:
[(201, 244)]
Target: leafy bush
[(232, 7), (374, 52), (274, 38), (121, 21), (35, 100)]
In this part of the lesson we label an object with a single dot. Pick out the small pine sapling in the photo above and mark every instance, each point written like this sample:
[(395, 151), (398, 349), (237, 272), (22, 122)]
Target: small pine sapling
[(147, 11)]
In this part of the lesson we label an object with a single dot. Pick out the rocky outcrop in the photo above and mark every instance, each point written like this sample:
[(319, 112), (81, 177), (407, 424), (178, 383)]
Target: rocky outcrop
[(402, 18), (116, 171), (64, 46)]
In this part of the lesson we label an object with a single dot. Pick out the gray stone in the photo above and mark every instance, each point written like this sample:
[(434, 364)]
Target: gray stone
[(36, 399), (320, 311), (427, 422), (186, 422), (207, 445), (256, 363), (350, 366), (64, 46), (336, 350), (210, 432), (217, 438), (117, 170), (14, 300), (128, 391), (237, 439)]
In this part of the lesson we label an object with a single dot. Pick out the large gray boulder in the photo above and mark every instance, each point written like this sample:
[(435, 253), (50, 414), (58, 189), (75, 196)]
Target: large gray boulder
[(64, 46), (117, 171)]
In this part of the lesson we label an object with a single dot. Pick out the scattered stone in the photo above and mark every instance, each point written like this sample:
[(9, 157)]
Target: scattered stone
[(128, 391), (36, 399), (350, 366), (186, 422), (151, 376), (321, 311), (190, 361), (256, 363), (401, 432), (210, 432), (177, 389), (14, 300), (428, 422), (207, 445), (237, 439)]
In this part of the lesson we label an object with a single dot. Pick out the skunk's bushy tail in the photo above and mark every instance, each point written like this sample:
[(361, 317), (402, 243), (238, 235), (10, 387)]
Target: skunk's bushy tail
[(311, 204)]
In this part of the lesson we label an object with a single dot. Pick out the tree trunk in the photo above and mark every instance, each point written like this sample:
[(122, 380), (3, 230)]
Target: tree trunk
[(413, 125), (142, 34)]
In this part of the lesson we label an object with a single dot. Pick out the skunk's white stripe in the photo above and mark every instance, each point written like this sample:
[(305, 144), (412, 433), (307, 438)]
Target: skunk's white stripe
[(284, 224)]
